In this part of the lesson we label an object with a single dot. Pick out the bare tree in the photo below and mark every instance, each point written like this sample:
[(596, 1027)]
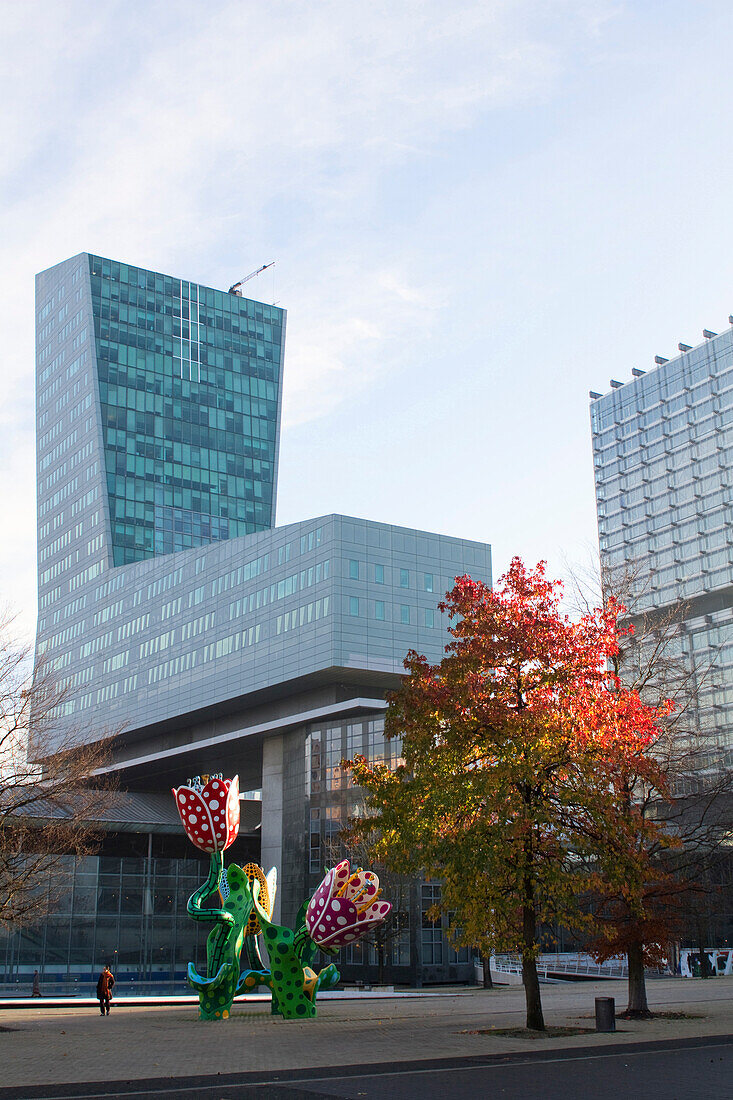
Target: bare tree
[(50, 800), (694, 807)]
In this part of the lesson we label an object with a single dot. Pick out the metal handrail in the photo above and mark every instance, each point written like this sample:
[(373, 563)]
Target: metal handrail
[(570, 963)]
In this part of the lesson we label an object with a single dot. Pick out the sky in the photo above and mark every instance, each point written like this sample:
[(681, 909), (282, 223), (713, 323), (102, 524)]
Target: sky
[(478, 212)]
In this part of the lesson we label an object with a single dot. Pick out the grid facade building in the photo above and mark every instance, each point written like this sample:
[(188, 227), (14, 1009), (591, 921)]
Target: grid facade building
[(175, 614), (663, 457), (164, 587)]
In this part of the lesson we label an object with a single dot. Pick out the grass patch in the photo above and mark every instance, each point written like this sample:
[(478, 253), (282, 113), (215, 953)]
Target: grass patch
[(528, 1033), (652, 1016), (675, 1016)]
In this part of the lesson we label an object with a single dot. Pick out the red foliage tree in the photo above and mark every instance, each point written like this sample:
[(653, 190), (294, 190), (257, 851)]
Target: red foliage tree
[(513, 747), (685, 855)]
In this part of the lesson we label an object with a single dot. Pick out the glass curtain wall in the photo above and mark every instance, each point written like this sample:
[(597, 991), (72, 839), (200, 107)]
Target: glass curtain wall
[(416, 947), (189, 383), (127, 911)]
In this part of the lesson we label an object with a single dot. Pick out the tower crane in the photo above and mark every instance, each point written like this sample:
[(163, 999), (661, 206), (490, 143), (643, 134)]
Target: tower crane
[(236, 288)]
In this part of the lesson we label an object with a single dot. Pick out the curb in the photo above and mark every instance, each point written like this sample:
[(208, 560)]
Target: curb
[(186, 1000)]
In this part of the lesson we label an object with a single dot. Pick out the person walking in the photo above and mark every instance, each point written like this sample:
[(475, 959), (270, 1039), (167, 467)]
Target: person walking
[(104, 990), (36, 984)]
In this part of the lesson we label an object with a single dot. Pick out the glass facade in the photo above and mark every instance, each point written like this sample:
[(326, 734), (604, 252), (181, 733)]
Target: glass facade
[(128, 911), (663, 455), (318, 800), (189, 388)]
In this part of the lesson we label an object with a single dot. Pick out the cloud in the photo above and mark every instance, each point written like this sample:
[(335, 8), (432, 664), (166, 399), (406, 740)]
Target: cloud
[(337, 350), (205, 139)]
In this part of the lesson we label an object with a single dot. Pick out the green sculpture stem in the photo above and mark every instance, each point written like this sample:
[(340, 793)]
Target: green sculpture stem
[(195, 902), (224, 944), (303, 944), (306, 947), (293, 985)]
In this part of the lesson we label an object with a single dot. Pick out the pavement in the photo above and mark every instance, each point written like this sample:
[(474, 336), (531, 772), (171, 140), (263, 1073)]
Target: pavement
[(154, 1049)]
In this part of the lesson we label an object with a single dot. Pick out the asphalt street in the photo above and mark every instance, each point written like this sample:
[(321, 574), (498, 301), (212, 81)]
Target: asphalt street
[(685, 1069)]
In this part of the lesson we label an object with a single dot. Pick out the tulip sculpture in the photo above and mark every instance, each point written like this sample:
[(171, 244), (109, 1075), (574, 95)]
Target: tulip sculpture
[(209, 811), (343, 908)]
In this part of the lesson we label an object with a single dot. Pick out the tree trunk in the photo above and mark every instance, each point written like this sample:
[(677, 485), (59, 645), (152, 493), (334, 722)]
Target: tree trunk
[(380, 963), (486, 963), (638, 1008), (535, 1019), (530, 980)]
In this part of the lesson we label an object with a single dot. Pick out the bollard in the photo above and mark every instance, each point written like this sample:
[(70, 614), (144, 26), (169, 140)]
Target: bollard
[(605, 1014)]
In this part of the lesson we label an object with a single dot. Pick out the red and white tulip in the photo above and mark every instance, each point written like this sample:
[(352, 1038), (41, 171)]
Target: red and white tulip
[(210, 813)]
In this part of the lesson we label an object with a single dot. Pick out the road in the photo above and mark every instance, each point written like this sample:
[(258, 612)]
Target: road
[(698, 1068)]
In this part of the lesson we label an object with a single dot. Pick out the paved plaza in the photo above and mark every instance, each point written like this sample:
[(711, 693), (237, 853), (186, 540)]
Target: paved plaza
[(42, 1045)]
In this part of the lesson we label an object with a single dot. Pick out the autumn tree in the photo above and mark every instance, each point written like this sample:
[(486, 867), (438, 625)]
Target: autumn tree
[(50, 800), (510, 749)]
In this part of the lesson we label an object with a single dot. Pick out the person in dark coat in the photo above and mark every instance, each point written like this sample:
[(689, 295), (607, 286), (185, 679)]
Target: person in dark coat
[(104, 990)]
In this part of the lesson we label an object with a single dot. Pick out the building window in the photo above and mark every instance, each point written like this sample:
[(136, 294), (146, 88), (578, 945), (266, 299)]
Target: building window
[(313, 749), (315, 842), (332, 825), (379, 574), (379, 609), (353, 570), (457, 955), (334, 755), (405, 613), (313, 538), (432, 934), (404, 578), (353, 605), (429, 616), (428, 581)]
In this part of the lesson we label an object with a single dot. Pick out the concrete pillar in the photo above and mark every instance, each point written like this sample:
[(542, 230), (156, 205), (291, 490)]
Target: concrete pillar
[(272, 812)]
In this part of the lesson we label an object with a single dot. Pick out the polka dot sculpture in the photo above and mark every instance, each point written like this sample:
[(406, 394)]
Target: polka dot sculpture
[(224, 943), (343, 908), (209, 812), (290, 980)]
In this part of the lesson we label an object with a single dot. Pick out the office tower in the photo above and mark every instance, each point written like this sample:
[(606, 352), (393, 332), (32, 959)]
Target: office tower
[(175, 612), (663, 456), (187, 411)]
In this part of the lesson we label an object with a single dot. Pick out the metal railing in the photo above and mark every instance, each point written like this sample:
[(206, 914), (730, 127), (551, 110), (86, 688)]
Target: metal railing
[(571, 963)]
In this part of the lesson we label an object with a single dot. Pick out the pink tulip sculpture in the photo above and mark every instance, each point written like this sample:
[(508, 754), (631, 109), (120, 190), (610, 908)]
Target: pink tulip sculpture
[(344, 907)]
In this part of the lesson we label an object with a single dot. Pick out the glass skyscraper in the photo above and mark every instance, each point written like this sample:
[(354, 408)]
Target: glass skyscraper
[(663, 457), (189, 391)]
